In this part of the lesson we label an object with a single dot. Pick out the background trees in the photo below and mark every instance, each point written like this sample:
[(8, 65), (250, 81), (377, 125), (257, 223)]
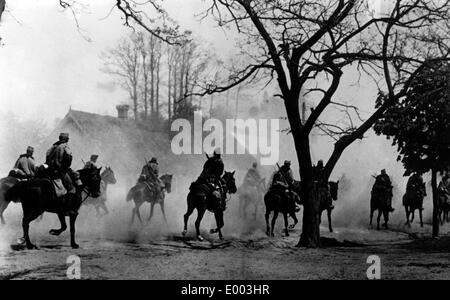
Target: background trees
[(420, 126)]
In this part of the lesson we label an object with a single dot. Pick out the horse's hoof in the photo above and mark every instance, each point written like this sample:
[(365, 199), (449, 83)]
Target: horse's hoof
[(291, 227), (184, 233), (212, 231), (56, 232), (32, 247), (200, 238), (221, 238), (75, 246), (272, 235)]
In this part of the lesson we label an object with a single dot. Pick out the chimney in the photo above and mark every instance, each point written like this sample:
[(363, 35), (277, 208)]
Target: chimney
[(122, 111)]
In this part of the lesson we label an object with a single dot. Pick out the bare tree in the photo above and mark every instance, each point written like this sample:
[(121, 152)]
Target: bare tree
[(304, 44), (124, 63)]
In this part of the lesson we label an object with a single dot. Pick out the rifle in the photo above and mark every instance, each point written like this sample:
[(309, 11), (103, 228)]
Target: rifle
[(83, 162), (288, 182)]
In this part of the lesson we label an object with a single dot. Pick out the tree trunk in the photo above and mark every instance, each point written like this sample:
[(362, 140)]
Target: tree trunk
[(310, 236), (435, 203)]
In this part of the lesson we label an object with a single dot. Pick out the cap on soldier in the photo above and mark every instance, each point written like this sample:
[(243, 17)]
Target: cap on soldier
[(29, 148), (287, 162), (63, 135), (255, 165), (154, 160), (94, 156)]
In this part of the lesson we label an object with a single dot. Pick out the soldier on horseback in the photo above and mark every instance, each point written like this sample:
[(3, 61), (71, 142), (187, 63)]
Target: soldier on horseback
[(150, 176), (253, 178), (92, 163), (416, 185), (383, 184), (319, 178), (59, 160), (24, 168), (283, 177)]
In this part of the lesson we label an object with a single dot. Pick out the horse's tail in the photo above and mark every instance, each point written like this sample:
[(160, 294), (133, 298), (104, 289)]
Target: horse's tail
[(130, 194)]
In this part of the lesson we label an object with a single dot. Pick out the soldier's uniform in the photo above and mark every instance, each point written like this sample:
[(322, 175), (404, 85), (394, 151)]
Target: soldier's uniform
[(213, 167), (150, 174), (415, 183), (319, 178), (283, 177), (25, 166), (59, 159)]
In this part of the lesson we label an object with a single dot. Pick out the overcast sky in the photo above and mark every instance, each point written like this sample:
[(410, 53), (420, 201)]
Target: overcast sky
[(47, 66)]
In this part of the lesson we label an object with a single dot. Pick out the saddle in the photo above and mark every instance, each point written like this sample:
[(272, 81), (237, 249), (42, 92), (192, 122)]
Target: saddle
[(215, 196)]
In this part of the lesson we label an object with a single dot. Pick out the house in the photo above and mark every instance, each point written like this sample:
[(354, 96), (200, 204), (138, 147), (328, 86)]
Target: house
[(126, 145)]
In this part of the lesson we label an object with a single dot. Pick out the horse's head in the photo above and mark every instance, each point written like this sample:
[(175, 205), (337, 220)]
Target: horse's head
[(230, 182), (167, 180), (91, 180), (334, 187), (108, 176)]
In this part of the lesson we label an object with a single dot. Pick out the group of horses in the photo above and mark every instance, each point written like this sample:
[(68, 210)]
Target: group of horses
[(38, 196)]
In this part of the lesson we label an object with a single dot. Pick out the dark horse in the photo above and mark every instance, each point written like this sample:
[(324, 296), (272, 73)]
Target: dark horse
[(38, 196), (280, 200), (412, 200), (201, 197), (142, 193), (108, 177), (380, 201)]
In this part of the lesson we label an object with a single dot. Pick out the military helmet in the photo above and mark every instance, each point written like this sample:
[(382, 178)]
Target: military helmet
[(63, 136), (154, 160), (320, 163), (94, 156), (287, 163), (30, 149), (255, 165)]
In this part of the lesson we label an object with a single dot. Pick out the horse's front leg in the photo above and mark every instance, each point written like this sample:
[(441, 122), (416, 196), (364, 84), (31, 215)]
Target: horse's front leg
[(274, 219), (286, 223), (188, 213), (161, 204), (152, 206), (378, 219), (62, 220), (407, 216), (267, 215), (73, 218), (420, 216), (200, 214)]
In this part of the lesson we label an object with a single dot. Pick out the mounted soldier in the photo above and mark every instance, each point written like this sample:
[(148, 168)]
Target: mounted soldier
[(319, 178), (211, 175), (92, 163), (383, 184), (416, 185), (59, 160), (150, 176), (283, 177), (253, 178), (24, 168)]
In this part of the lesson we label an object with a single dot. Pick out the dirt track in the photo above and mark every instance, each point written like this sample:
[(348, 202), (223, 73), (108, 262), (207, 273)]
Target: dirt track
[(112, 249), (170, 257)]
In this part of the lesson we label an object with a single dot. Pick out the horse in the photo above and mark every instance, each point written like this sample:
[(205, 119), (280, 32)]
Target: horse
[(250, 195), (108, 177), (326, 199), (412, 200), (5, 184), (380, 201), (142, 193), (279, 200), (201, 197), (38, 196)]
